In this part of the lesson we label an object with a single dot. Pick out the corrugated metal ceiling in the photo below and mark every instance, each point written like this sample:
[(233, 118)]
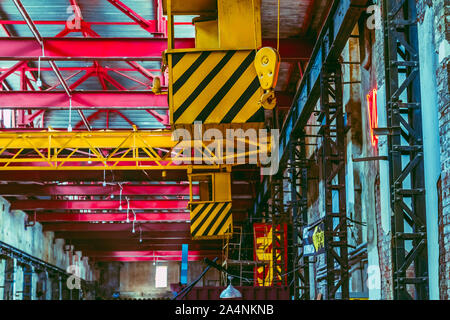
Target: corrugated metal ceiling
[(92, 11)]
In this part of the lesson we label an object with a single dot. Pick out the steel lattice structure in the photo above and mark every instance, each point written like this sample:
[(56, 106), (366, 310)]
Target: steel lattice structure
[(278, 216), (333, 173), (115, 150), (405, 144), (298, 167)]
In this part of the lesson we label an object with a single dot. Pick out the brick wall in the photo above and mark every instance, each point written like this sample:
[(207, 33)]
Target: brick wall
[(442, 43)]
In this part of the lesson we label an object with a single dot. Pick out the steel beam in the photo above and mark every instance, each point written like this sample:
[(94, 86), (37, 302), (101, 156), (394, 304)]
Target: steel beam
[(137, 245), (162, 189), (149, 259), (98, 190), (154, 237), (130, 150), (58, 100), (120, 217), (112, 217), (98, 204), (109, 204), (241, 173), (121, 49), (94, 227), (148, 253)]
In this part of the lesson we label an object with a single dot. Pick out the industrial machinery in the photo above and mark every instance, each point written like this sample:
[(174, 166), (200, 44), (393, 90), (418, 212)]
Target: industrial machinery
[(225, 79), (211, 216), (224, 82)]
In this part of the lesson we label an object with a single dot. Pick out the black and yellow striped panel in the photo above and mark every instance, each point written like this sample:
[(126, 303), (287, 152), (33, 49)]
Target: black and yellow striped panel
[(215, 87), (211, 220)]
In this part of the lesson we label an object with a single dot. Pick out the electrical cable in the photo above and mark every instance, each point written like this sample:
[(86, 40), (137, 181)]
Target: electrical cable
[(69, 127)]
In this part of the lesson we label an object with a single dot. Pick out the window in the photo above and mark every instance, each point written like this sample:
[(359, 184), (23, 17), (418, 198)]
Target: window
[(161, 277)]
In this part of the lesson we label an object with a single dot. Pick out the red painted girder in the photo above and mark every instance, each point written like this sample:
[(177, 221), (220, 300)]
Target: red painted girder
[(141, 259), (148, 253), (64, 22), (100, 100), (13, 189), (242, 173), (136, 245), (111, 204), (127, 243), (91, 217), (96, 190), (84, 100), (97, 204), (124, 49), (13, 69), (157, 236), (84, 226), (119, 217)]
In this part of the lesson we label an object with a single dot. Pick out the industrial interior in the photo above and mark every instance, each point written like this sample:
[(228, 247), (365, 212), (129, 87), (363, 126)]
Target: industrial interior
[(224, 149)]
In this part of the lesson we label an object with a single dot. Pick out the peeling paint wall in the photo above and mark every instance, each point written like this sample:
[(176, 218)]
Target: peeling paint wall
[(441, 10)]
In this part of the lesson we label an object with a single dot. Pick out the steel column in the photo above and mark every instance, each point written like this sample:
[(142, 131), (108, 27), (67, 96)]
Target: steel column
[(298, 167), (405, 145), (278, 217), (333, 175)]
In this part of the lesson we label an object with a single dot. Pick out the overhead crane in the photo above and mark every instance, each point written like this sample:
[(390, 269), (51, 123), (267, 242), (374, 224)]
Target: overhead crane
[(222, 83)]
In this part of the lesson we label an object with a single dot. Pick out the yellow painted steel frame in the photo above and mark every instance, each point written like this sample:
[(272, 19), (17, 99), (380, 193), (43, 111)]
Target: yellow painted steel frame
[(212, 219), (111, 150)]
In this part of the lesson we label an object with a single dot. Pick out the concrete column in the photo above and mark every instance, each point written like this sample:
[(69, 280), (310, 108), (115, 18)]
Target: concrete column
[(18, 282), (13, 283), (60, 284), (431, 145)]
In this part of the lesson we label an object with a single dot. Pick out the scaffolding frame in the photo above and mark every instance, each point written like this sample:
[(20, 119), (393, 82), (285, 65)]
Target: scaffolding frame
[(405, 145)]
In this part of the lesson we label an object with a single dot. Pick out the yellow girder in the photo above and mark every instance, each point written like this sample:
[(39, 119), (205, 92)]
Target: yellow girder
[(87, 139), (112, 150)]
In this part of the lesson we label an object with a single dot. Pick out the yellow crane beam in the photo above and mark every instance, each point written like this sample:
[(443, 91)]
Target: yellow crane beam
[(119, 150)]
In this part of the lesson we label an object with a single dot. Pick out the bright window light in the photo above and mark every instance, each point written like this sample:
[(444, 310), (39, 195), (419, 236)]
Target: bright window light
[(161, 277)]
